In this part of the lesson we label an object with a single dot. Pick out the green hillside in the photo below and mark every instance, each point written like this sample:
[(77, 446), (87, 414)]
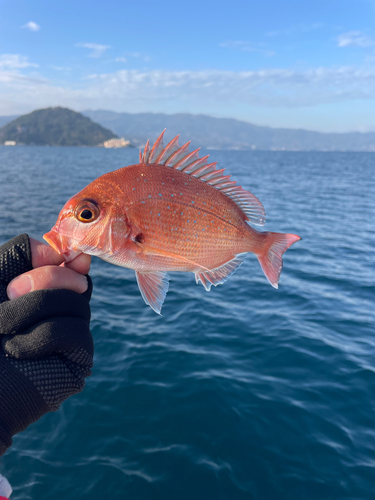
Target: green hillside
[(55, 127)]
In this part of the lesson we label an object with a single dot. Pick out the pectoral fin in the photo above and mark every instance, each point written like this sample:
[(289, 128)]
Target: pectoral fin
[(153, 287)]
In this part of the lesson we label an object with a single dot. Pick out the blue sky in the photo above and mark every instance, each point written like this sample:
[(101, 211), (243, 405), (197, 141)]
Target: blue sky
[(296, 64)]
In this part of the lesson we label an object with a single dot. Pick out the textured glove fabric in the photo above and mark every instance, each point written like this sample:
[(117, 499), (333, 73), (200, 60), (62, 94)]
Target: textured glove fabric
[(46, 348)]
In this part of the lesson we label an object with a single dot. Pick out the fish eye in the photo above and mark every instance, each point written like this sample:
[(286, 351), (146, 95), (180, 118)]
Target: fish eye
[(86, 214), (87, 211)]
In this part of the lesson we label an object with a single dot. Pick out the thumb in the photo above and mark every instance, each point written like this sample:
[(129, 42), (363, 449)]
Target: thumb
[(44, 278)]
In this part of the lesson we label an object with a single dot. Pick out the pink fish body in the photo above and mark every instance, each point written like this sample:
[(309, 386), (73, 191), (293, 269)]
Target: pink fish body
[(170, 212)]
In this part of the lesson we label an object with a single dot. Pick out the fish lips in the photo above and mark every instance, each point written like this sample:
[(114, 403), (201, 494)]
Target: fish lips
[(61, 244)]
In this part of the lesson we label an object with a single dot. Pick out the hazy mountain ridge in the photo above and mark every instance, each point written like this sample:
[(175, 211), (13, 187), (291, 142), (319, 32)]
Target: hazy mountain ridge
[(222, 133), (55, 127), (6, 119), (227, 133)]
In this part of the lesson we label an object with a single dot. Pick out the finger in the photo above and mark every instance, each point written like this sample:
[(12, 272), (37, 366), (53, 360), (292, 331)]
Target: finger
[(44, 255), (80, 264), (47, 277)]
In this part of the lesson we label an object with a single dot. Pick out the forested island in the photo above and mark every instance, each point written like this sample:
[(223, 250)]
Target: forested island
[(55, 127)]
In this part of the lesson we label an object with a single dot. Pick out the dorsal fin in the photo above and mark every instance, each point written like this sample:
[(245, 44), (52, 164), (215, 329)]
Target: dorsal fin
[(179, 158)]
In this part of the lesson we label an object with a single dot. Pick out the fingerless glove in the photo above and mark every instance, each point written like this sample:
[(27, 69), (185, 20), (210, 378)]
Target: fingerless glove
[(46, 347)]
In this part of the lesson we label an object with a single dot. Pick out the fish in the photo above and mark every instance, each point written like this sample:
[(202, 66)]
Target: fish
[(172, 211)]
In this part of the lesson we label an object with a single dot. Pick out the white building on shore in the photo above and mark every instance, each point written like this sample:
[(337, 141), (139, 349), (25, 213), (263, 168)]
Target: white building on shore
[(117, 143)]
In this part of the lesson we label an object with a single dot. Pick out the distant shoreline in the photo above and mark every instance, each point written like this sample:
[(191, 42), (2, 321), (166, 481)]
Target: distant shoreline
[(64, 127), (203, 148)]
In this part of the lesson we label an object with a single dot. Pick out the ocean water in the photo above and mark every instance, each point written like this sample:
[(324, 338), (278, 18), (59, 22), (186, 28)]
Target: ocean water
[(245, 392)]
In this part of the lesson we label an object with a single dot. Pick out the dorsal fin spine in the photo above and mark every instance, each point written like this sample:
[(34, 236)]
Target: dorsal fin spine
[(179, 158), (209, 171), (224, 187), (186, 160), (172, 146), (195, 165), (204, 169), (176, 156), (155, 147), (146, 151), (230, 188), (212, 175), (220, 181)]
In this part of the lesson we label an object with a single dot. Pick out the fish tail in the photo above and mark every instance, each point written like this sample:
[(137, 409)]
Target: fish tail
[(270, 257)]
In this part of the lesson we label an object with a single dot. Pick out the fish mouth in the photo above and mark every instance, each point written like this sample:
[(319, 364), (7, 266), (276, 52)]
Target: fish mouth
[(57, 242), (60, 244)]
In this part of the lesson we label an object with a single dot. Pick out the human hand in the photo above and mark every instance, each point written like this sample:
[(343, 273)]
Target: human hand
[(46, 347), (50, 271)]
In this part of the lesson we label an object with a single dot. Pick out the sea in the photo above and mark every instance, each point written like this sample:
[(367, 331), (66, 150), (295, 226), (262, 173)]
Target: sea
[(241, 393)]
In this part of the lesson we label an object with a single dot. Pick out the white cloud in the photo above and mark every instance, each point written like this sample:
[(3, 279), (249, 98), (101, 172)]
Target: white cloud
[(139, 55), (269, 87), (20, 81), (97, 49), (31, 26), (356, 38), (135, 55), (61, 68), (296, 29), (179, 91), (247, 47), (15, 61)]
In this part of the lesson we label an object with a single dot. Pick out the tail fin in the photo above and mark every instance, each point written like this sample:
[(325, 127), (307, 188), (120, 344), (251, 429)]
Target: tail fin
[(271, 257)]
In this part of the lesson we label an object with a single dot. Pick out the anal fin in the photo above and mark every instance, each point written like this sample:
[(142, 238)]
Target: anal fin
[(153, 287), (220, 274)]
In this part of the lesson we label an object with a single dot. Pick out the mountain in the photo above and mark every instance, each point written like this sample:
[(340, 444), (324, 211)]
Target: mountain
[(6, 119), (206, 131), (55, 127), (227, 133)]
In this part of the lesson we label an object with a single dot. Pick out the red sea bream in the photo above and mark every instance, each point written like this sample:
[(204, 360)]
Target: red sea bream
[(172, 211)]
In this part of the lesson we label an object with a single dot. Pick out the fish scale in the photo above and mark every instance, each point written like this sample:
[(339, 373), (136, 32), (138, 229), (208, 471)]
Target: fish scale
[(171, 212), (172, 221)]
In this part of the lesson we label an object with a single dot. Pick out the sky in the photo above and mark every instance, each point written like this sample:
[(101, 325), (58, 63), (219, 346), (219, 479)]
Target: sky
[(282, 63)]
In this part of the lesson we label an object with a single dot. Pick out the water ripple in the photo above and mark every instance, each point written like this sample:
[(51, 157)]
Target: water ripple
[(241, 393)]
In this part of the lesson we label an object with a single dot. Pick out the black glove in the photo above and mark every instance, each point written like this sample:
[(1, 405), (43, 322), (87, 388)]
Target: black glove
[(46, 348)]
